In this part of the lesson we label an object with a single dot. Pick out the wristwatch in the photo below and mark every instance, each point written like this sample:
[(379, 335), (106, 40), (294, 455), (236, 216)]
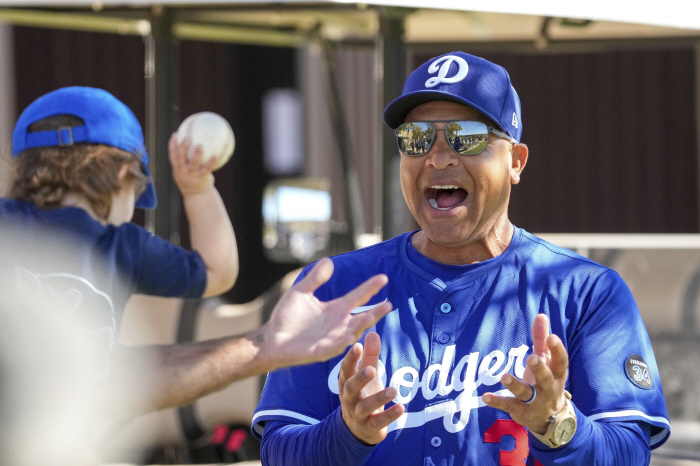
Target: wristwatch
[(562, 426)]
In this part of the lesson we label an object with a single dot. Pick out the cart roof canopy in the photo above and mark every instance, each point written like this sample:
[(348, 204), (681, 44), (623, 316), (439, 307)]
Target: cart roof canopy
[(426, 21)]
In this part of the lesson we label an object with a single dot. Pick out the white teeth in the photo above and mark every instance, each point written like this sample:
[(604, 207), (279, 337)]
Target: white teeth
[(449, 186), (433, 204)]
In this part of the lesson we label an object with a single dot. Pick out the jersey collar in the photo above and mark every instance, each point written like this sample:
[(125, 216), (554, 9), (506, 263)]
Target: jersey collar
[(431, 270)]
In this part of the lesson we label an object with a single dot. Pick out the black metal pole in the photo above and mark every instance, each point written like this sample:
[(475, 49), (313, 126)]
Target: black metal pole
[(395, 215), (162, 109), (161, 95)]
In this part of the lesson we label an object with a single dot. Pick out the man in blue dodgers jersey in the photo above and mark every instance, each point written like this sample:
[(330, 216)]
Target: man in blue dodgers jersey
[(81, 168), (464, 370)]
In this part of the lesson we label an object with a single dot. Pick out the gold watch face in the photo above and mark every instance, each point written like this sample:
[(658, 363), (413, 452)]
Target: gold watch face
[(565, 431)]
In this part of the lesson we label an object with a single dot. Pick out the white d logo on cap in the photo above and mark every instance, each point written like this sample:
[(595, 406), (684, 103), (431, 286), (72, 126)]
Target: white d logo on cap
[(442, 70)]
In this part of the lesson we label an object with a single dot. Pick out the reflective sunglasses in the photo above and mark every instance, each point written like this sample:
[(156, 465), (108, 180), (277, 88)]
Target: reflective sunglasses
[(464, 137)]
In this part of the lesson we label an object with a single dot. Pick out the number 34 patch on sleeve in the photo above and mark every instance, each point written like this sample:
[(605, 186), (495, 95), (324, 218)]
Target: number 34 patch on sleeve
[(638, 371)]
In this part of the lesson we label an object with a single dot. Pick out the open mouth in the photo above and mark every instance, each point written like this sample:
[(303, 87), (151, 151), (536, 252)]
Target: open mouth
[(445, 197)]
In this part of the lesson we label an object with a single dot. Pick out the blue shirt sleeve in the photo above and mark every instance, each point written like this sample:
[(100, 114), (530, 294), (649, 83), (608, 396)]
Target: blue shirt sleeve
[(160, 268), (603, 343), (599, 443), (328, 443)]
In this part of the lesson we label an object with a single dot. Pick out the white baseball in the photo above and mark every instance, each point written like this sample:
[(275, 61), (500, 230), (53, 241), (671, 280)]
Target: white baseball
[(211, 131)]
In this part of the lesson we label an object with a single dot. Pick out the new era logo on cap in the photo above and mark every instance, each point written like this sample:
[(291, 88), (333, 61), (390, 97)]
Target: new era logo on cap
[(465, 79)]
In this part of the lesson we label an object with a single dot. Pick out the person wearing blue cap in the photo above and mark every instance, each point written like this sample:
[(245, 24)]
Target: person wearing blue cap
[(80, 170), (501, 349)]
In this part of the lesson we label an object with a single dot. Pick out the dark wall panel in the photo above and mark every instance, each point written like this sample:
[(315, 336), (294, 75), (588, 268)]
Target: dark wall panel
[(612, 141), (47, 59)]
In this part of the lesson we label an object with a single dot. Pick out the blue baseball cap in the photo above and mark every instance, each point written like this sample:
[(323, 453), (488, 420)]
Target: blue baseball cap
[(465, 79), (107, 121)]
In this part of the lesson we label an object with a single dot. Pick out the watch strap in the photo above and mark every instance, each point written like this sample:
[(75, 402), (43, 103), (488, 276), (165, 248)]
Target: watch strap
[(567, 412)]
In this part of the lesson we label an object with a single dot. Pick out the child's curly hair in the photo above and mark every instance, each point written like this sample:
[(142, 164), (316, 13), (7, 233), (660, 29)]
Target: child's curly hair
[(44, 175)]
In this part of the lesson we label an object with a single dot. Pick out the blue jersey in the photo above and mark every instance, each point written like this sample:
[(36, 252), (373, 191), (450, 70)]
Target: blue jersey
[(90, 270), (455, 330)]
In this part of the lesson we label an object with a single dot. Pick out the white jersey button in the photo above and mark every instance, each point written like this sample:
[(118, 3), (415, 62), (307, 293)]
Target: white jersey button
[(445, 308), (436, 441)]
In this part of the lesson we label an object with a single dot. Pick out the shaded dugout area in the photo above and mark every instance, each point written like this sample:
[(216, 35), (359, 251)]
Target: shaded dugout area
[(611, 133)]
